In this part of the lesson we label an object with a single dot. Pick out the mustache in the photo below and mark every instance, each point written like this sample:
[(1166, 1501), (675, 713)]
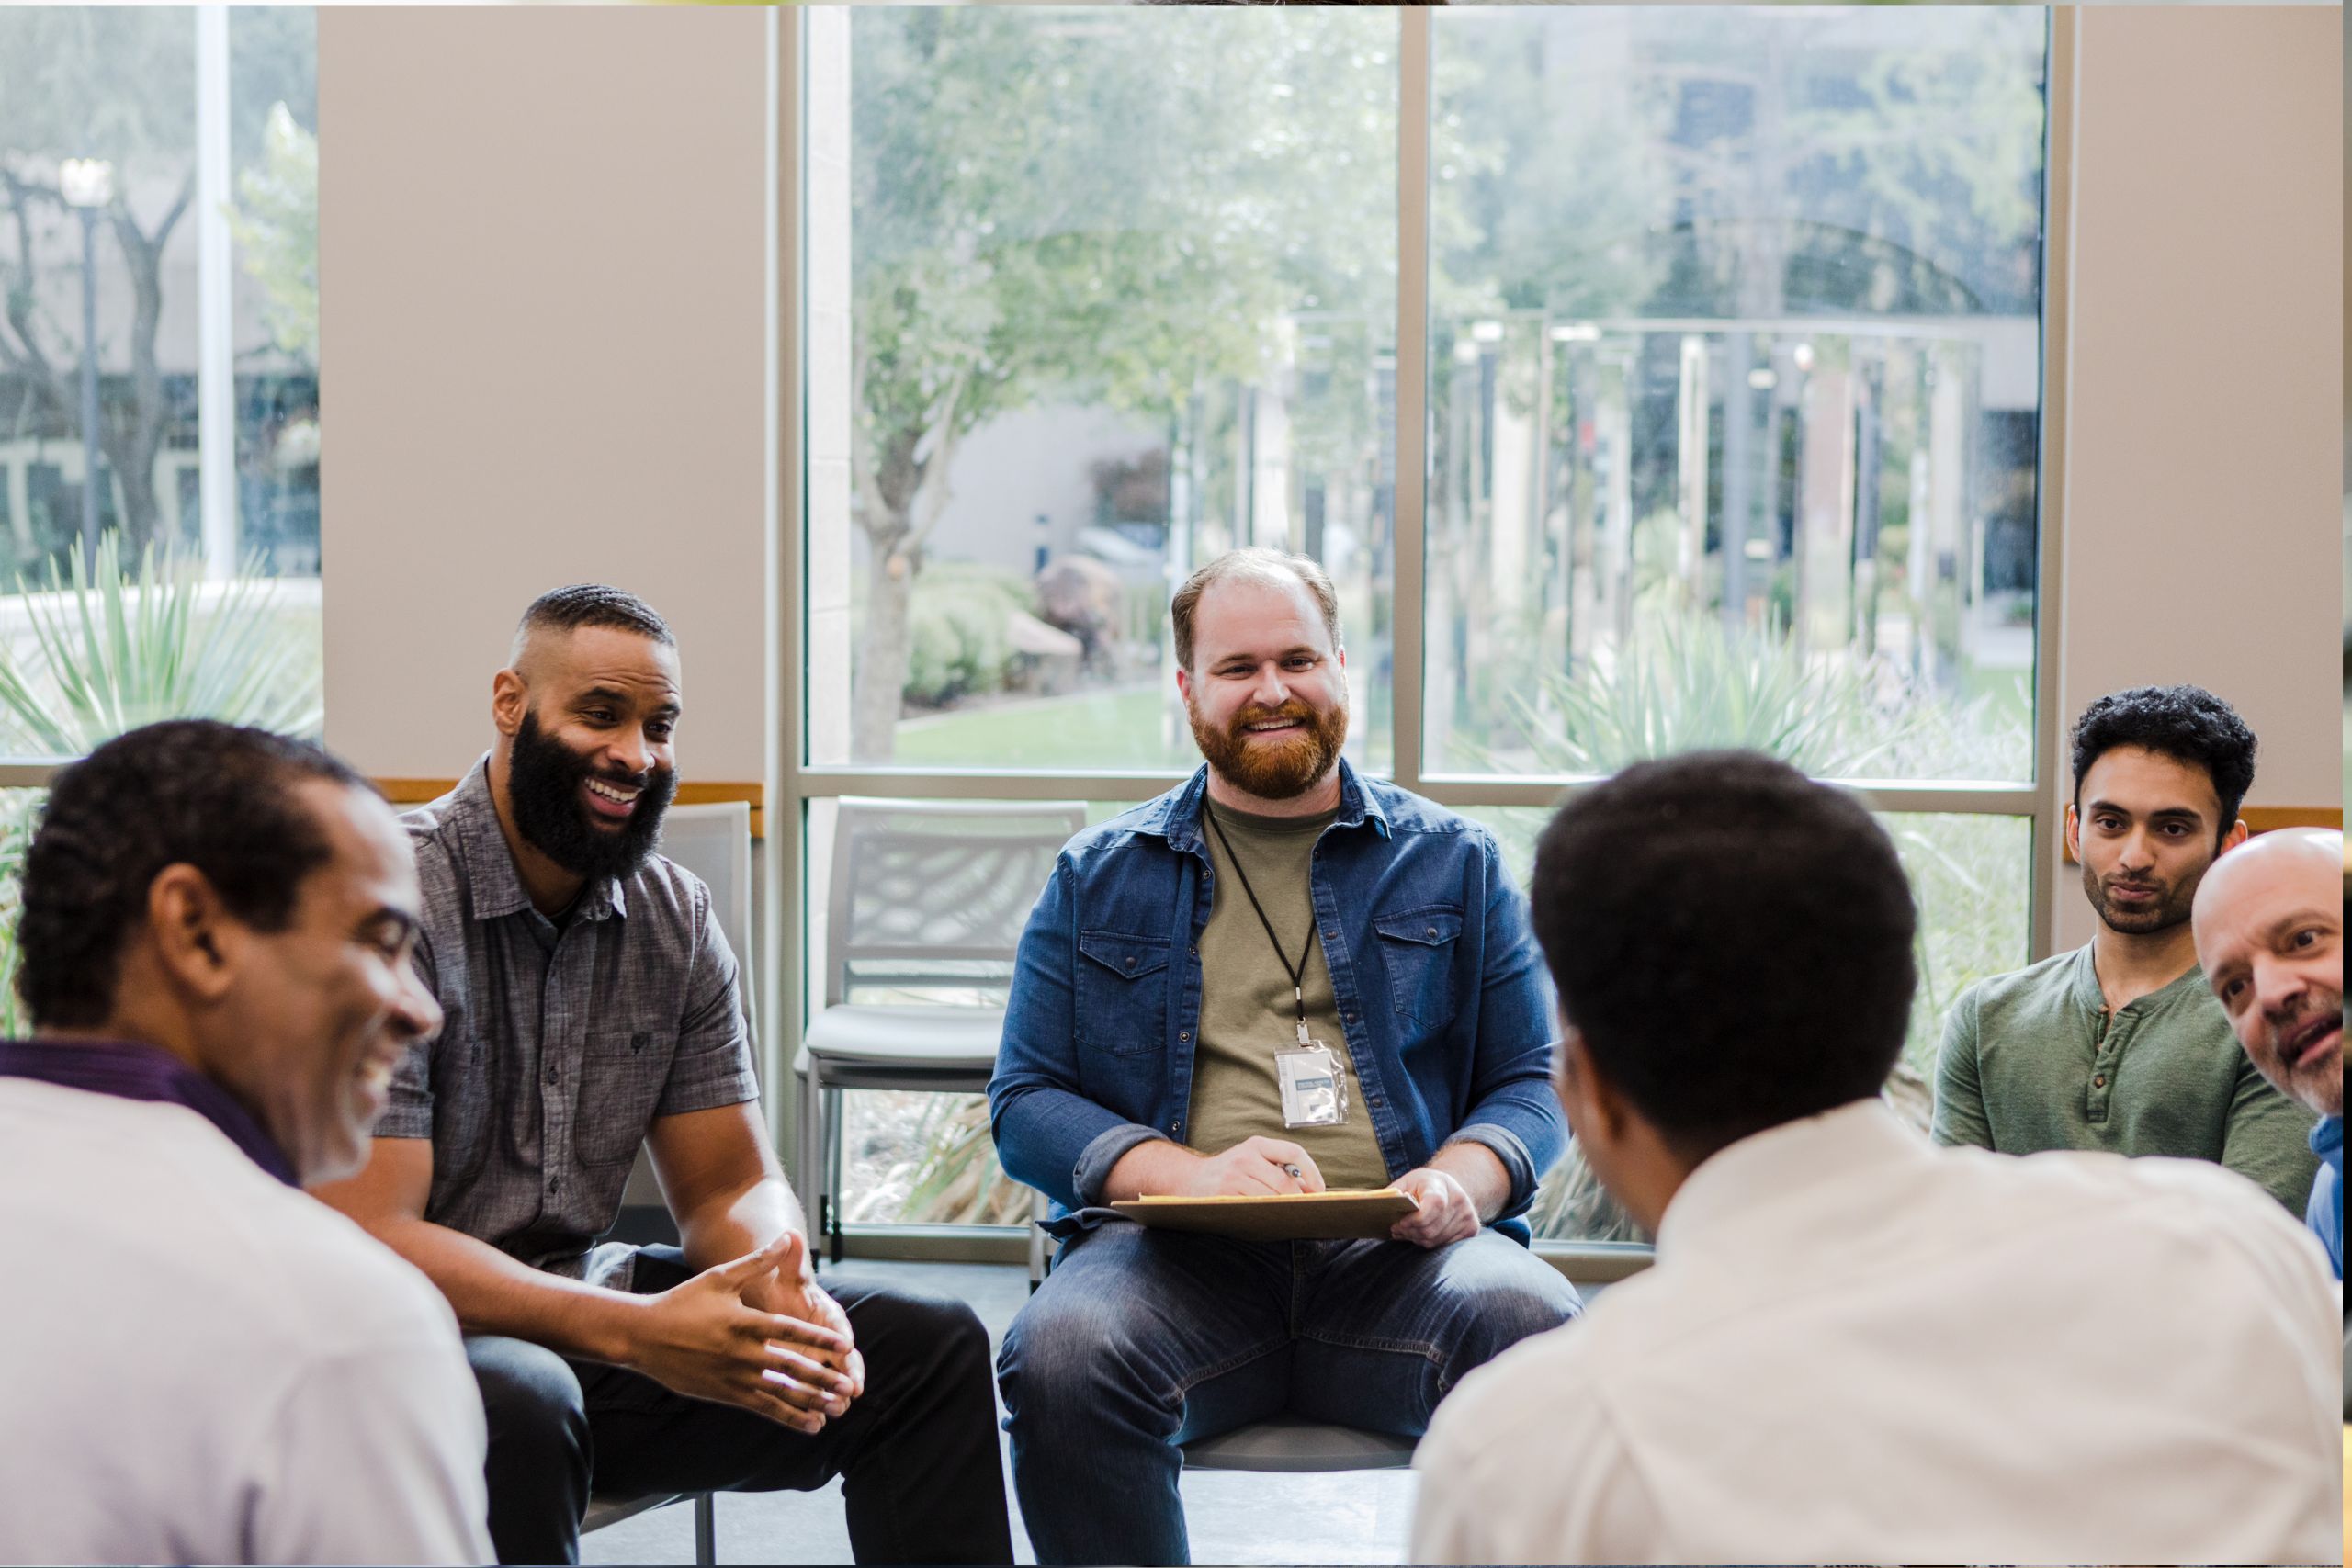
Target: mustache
[(2288, 1022), (1293, 712)]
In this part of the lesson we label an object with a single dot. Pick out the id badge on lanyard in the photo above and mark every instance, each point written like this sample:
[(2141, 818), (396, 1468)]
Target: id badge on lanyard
[(1313, 1079), (1314, 1084)]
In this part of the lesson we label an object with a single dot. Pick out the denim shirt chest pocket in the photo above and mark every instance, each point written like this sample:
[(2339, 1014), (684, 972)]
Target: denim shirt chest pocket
[(1121, 985), (1417, 948)]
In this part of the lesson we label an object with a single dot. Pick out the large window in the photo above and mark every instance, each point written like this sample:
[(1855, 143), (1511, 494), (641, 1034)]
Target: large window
[(1121, 295), (159, 382), (1715, 419)]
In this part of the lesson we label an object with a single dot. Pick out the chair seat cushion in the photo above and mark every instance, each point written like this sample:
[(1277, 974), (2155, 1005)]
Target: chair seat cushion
[(939, 1037), (1288, 1443)]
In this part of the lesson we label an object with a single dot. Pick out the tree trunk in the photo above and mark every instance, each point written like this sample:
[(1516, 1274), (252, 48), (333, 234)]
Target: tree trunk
[(886, 645), (136, 434)]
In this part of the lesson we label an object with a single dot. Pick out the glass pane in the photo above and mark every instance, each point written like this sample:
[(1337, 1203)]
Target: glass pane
[(927, 1158), (115, 316), (274, 147), (1114, 292), (1734, 387), (1973, 878)]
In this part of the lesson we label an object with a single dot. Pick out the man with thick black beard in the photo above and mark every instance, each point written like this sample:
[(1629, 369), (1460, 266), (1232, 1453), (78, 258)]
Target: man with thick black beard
[(1279, 978), (592, 1007)]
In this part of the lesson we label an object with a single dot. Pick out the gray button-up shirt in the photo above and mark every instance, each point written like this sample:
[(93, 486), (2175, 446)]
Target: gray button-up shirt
[(559, 1044)]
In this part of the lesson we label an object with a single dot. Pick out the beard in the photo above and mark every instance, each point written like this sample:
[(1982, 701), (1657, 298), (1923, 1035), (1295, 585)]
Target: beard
[(1283, 770), (2318, 1084), (2170, 906), (544, 780)]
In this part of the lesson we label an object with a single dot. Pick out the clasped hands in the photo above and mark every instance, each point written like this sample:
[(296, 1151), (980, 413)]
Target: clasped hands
[(1256, 1167), (757, 1333)]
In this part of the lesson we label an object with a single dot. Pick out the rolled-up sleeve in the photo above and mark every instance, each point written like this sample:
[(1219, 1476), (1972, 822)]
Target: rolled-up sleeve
[(1514, 1110), (713, 1064), (1049, 1135)]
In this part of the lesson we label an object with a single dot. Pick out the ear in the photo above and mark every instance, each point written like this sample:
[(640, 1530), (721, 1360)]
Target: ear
[(2237, 835), (2073, 833), (1585, 1095), (509, 699), (199, 944), (1184, 683)]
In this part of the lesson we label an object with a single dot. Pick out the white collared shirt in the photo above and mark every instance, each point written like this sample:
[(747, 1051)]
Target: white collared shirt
[(200, 1364), (1856, 1347)]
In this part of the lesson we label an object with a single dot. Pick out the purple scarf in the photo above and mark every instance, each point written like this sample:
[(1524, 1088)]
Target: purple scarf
[(131, 1071)]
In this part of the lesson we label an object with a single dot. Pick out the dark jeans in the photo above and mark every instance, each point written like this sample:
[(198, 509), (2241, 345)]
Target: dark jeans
[(916, 1454), (1143, 1339)]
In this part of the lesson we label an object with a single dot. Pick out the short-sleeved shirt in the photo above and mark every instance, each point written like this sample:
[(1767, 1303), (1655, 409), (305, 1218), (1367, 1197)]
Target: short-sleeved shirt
[(559, 1044), (2032, 1061)]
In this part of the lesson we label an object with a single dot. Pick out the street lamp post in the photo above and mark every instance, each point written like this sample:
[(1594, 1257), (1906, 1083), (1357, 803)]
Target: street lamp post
[(88, 185)]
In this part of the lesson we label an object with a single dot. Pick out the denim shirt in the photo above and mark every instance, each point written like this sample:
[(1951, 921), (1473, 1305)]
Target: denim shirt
[(2325, 1213), (1440, 992)]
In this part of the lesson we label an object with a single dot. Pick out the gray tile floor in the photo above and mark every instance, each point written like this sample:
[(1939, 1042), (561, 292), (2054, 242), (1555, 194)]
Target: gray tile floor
[(1235, 1516)]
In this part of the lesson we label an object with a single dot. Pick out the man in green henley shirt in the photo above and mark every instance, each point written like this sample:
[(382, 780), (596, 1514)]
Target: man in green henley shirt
[(2120, 1044)]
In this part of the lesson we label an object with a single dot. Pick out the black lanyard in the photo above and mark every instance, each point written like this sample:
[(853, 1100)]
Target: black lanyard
[(1297, 971)]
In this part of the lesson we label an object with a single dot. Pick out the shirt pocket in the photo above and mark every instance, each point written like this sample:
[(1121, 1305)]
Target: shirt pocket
[(621, 1074), (1417, 948), (1122, 992)]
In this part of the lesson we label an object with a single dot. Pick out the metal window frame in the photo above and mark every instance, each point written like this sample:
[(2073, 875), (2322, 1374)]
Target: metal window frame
[(781, 966), (795, 783)]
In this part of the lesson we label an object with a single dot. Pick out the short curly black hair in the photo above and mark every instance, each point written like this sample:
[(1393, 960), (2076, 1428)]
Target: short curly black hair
[(593, 604), (2189, 724), (217, 797), (1733, 941)]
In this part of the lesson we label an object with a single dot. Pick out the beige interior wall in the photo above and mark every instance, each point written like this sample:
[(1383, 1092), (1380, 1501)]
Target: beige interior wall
[(542, 248), (2202, 425)]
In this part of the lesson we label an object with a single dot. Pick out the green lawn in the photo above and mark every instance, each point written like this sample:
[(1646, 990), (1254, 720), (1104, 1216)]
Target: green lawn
[(1110, 730)]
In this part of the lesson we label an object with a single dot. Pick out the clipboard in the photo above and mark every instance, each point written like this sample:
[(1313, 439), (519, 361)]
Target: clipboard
[(1288, 1216)]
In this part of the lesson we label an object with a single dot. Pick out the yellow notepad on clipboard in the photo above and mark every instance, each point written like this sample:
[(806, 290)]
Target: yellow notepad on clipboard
[(1285, 1216)]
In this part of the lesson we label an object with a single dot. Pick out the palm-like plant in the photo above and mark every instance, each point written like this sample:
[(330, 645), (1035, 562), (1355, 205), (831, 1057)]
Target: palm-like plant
[(112, 650), (1687, 682), (106, 651)]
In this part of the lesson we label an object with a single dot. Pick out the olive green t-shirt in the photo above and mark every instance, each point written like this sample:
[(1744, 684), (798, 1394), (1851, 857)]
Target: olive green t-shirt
[(2032, 1061), (1247, 1011)]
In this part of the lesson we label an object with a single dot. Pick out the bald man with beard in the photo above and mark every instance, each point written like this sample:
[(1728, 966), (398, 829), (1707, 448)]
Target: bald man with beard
[(592, 1007), (2270, 939)]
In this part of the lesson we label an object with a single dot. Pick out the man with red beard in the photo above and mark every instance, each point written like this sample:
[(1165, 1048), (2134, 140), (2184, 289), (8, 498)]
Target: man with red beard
[(592, 1007), (2119, 1045), (1279, 978), (2270, 940)]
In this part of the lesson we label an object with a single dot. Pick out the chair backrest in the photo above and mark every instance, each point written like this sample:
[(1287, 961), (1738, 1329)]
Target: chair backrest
[(715, 843), (931, 896)]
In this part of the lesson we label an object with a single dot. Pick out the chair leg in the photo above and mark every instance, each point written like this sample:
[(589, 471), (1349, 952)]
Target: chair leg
[(705, 1530), (831, 1109), (809, 1169)]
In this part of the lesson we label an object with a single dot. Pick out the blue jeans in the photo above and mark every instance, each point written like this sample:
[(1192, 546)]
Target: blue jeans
[(1143, 1339)]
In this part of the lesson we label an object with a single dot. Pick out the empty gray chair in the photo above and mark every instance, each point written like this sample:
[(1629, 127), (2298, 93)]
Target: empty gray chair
[(928, 901)]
